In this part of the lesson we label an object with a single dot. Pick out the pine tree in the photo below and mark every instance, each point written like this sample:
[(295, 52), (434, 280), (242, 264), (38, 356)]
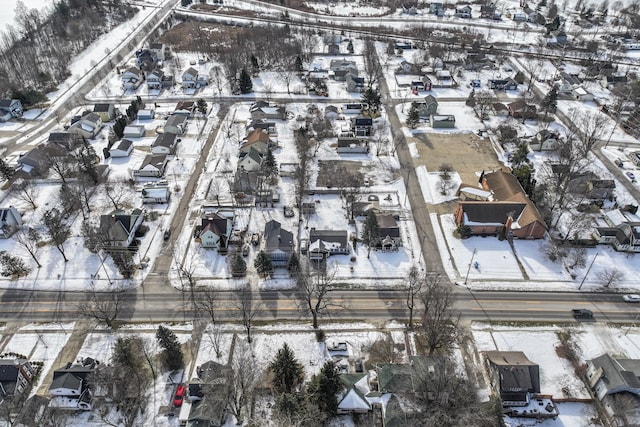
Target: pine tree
[(202, 106), (324, 387), (413, 116), (262, 263), (246, 85), (294, 264), (238, 266), (299, 66), (254, 64), (370, 232), (371, 98), (172, 351), (6, 171), (12, 265), (269, 165), (350, 47), (549, 103), (287, 371)]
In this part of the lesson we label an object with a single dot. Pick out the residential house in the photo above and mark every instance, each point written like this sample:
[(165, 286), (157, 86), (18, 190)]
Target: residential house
[(487, 11), (362, 126), (131, 78), (70, 388), (500, 109), (442, 121), (332, 42), (389, 231), (16, 377), (407, 67), (428, 107), (545, 140), (159, 50), (215, 229), (616, 384), (10, 109), (519, 17), (250, 161), (263, 110), (331, 112), (176, 124), (119, 229), (146, 114), (257, 139), (154, 79), (88, 126), (152, 166), (66, 140), (444, 78), (264, 125), (36, 161), (146, 59), (156, 194), (463, 12), (503, 84), (189, 78), (352, 108), (436, 8), (165, 143), (134, 131), (514, 376), (510, 211), (354, 390), (568, 82), (354, 83), (581, 94), (624, 237), (208, 395), (521, 110), (351, 145), (122, 148), (339, 68), (278, 243), (324, 243), (184, 108), (10, 222), (107, 112)]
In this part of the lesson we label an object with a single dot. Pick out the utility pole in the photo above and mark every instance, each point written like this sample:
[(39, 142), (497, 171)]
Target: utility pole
[(469, 268), (588, 270)]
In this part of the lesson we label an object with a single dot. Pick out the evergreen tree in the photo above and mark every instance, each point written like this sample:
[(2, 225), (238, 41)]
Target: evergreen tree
[(172, 351), (391, 49), (254, 64), (12, 265), (549, 103), (294, 264), (6, 171), (413, 116), (371, 99), (202, 106), (286, 370), (246, 85), (324, 388), (299, 66), (238, 265), (370, 232), (269, 165), (262, 263), (350, 47), (87, 159), (520, 155)]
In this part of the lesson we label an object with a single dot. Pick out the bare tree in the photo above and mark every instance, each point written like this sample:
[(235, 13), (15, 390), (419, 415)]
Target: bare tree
[(63, 166), (103, 307), (381, 136), (245, 377), (384, 350), (414, 286), (589, 127), (439, 320), (217, 79), (445, 170), (206, 302), (57, 229), (248, 309), (609, 276), (287, 75), (314, 292), (213, 339), (26, 191), (29, 239), (117, 193)]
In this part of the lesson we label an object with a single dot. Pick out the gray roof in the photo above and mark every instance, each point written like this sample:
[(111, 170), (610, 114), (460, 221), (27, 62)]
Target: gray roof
[(66, 380), (277, 238), (517, 372), (492, 213), (619, 374), (175, 120), (334, 236), (165, 140), (124, 144)]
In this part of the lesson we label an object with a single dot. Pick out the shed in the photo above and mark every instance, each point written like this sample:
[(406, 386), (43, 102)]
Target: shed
[(134, 131), (443, 121)]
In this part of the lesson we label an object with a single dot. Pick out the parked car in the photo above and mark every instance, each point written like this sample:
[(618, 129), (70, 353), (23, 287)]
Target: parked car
[(166, 234), (179, 396), (582, 313), (631, 298), (245, 250), (619, 163), (255, 239), (631, 176)]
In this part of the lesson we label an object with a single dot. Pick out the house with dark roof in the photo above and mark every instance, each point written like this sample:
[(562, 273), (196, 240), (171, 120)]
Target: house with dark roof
[(165, 143), (121, 149), (352, 145), (510, 211), (10, 109), (514, 376), (208, 395), (176, 124), (215, 229), (264, 110), (521, 110), (616, 384), (624, 237), (119, 229), (503, 84), (70, 388), (131, 78), (264, 125), (362, 126), (155, 79), (185, 108), (152, 166), (36, 162), (189, 78), (16, 377), (88, 126), (10, 222), (389, 231), (324, 243), (107, 112), (69, 141), (250, 161), (278, 243)]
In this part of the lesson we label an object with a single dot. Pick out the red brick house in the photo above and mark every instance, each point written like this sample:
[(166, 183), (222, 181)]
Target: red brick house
[(509, 210)]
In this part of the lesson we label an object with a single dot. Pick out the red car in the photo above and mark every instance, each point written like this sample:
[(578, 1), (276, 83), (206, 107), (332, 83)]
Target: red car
[(180, 391)]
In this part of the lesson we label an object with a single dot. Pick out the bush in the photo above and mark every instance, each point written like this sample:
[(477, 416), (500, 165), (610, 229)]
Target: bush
[(320, 335)]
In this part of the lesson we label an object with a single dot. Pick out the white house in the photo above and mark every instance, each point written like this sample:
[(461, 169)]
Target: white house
[(10, 221), (152, 166), (131, 78), (216, 229), (251, 161), (189, 78), (581, 94), (165, 143), (9, 109), (88, 126), (158, 194), (154, 79), (147, 114), (176, 124), (134, 131), (122, 148)]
